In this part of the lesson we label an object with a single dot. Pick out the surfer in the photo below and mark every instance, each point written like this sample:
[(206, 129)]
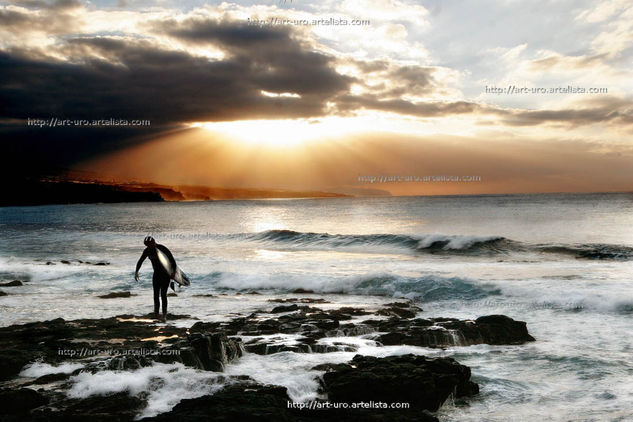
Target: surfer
[(161, 276)]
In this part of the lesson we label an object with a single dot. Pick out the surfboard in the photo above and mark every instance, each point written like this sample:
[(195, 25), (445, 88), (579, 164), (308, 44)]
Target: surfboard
[(180, 277)]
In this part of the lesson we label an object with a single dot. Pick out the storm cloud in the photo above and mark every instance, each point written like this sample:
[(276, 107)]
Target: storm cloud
[(137, 79)]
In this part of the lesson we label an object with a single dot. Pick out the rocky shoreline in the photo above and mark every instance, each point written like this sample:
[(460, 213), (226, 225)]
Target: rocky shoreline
[(424, 383)]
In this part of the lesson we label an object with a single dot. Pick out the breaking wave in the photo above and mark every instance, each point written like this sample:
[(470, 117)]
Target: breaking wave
[(436, 244), (425, 288)]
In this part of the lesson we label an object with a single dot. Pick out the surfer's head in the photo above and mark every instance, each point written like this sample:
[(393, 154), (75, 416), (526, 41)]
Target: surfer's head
[(149, 241)]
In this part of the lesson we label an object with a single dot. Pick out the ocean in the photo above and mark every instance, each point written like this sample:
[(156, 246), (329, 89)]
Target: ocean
[(561, 262)]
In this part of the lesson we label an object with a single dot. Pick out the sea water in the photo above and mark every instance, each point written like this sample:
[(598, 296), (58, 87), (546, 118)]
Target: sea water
[(561, 262)]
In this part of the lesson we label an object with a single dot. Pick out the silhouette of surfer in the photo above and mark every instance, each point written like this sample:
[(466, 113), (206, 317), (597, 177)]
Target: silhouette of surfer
[(161, 277)]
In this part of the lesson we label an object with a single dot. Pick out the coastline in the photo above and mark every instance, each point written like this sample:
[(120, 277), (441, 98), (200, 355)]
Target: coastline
[(65, 352)]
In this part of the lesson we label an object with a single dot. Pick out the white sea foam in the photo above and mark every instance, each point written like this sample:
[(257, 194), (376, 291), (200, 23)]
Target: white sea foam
[(166, 385), (291, 370), (294, 370), (454, 242), (39, 369)]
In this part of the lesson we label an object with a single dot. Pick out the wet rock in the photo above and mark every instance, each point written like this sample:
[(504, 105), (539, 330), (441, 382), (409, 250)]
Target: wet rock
[(116, 295), (200, 326), (424, 383), (118, 363), (310, 323), (213, 351), (334, 347), (13, 283), (50, 378), (268, 349), (302, 291), (500, 329), (170, 317), (59, 340), (110, 407), (234, 403), (347, 312), (3, 293), (350, 330), (12, 361), (284, 308), (270, 403), (20, 401), (299, 300), (400, 309), (313, 324), (79, 261), (446, 332), (272, 345)]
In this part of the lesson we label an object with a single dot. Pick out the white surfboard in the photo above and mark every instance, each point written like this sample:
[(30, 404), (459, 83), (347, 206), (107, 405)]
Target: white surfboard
[(180, 277)]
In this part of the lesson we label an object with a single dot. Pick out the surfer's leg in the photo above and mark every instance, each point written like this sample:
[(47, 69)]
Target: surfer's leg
[(163, 295), (157, 289)]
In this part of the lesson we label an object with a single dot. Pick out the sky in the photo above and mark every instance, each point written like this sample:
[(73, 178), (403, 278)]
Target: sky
[(362, 97)]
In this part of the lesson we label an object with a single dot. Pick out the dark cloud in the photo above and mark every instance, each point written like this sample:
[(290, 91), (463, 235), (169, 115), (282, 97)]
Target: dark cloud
[(135, 79), (350, 103), (612, 110), (413, 80), (52, 18), (12, 18), (113, 77), (398, 80), (52, 5), (229, 35), (279, 61)]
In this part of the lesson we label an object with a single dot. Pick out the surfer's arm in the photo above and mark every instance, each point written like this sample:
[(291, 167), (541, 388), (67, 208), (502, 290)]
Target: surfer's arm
[(139, 263)]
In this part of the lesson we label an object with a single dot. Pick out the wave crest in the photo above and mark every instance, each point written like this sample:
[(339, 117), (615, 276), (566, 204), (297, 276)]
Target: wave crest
[(437, 244)]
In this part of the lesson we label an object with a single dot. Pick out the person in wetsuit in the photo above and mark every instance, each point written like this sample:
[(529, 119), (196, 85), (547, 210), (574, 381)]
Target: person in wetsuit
[(161, 278)]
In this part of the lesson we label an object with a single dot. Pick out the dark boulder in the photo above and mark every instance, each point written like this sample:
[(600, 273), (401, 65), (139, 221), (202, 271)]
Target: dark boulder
[(500, 329), (110, 407), (270, 403), (20, 401), (116, 294), (252, 403), (302, 291), (212, 351), (284, 308), (447, 332), (400, 309), (424, 383), (50, 378), (12, 361), (13, 283), (299, 300)]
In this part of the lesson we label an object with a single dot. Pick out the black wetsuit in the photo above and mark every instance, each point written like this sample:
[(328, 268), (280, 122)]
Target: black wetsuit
[(160, 279)]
